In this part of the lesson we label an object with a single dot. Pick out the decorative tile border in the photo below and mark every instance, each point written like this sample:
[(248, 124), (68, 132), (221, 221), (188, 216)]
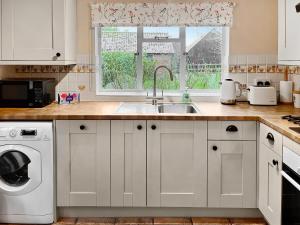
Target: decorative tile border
[(253, 68), (56, 69), (88, 68)]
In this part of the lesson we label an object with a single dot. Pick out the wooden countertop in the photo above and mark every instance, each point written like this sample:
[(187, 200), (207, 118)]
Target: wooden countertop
[(269, 115)]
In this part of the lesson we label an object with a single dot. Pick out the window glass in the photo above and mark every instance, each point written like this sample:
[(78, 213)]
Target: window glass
[(128, 57), (204, 57), (161, 32), (161, 54), (118, 57)]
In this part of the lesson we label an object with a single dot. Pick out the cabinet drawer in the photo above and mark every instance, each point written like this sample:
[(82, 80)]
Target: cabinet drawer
[(83, 127), (232, 130), (271, 139)]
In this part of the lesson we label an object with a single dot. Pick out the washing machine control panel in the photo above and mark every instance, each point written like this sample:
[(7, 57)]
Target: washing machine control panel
[(28, 132), (21, 134), (13, 133)]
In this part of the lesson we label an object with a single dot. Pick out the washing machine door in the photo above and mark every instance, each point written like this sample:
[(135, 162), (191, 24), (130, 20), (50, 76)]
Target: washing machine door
[(20, 169)]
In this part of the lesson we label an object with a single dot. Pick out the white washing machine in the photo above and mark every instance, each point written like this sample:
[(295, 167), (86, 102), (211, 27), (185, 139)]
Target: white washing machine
[(26, 172)]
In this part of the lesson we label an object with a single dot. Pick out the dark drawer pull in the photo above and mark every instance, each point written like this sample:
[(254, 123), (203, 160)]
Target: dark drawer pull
[(215, 148), (139, 127), (275, 162), (153, 127), (232, 128), (82, 127), (270, 137)]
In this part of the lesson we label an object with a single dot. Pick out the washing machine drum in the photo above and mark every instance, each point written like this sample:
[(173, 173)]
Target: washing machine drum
[(14, 168), (20, 169)]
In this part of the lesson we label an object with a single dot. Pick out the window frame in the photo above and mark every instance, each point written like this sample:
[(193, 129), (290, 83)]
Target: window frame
[(139, 91)]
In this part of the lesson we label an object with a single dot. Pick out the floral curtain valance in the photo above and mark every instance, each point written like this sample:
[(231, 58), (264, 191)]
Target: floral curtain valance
[(162, 14)]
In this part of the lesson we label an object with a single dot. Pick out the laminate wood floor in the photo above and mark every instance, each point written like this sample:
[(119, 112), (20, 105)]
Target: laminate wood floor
[(161, 221)]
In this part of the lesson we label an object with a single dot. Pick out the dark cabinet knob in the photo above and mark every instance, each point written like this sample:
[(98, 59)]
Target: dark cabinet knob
[(232, 128), (82, 127), (270, 137), (275, 162), (215, 148), (58, 54), (153, 127), (139, 127)]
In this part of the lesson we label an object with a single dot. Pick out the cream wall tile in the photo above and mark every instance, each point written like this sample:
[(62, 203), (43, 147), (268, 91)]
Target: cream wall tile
[(242, 60), (63, 84), (73, 86), (83, 81), (233, 60), (240, 77), (72, 77), (253, 76), (275, 77), (271, 59)]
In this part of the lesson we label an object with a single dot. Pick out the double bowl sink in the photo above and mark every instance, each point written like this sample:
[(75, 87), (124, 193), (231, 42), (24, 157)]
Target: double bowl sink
[(170, 108)]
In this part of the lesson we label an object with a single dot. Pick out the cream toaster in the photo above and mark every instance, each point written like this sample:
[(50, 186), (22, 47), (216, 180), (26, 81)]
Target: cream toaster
[(262, 95)]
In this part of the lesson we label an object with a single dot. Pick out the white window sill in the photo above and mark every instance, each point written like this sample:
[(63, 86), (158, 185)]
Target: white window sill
[(166, 94)]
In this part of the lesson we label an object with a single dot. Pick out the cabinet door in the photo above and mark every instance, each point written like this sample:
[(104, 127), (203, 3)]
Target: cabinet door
[(232, 174), (288, 32), (128, 163), (176, 164), (83, 163), (33, 29), (270, 185)]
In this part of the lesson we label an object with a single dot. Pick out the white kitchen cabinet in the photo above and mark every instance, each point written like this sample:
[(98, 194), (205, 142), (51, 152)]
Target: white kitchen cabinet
[(128, 163), (288, 32), (83, 163), (269, 204), (232, 174), (232, 130), (177, 163), (38, 32), (271, 139)]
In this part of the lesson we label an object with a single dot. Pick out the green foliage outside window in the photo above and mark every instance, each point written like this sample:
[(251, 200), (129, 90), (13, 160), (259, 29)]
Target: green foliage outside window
[(119, 72)]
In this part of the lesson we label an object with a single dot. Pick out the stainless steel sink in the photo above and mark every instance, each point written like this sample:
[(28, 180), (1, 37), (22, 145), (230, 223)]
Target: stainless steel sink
[(178, 108), (144, 108), (136, 108)]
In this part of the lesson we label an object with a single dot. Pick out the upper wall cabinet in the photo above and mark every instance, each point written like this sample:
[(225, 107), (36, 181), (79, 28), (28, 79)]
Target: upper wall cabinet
[(38, 32), (288, 32)]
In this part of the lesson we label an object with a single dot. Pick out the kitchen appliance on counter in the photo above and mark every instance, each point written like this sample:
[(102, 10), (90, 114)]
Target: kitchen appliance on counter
[(229, 91), (262, 95), (26, 173), (290, 187), (26, 93)]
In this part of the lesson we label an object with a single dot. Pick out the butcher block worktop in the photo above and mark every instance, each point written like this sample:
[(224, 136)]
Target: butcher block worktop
[(269, 115)]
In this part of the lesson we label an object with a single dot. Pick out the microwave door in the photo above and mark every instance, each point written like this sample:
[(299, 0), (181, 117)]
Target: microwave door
[(15, 94)]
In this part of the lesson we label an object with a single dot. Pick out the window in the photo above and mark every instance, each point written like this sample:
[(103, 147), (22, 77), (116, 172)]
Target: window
[(127, 58)]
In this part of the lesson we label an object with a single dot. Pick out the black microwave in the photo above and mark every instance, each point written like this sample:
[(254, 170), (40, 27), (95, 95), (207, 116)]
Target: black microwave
[(26, 93)]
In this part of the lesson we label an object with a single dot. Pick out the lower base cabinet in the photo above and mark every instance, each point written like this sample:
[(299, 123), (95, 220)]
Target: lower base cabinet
[(232, 174), (139, 163), (128, 163), (270, 165), (176, 163), (83, 163)]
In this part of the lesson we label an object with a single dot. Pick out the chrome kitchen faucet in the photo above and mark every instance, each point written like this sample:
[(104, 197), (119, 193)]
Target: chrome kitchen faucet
[(154, 97)]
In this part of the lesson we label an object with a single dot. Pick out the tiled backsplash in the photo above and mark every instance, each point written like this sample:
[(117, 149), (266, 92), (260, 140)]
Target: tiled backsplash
[(247, 68), (81, 77)]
